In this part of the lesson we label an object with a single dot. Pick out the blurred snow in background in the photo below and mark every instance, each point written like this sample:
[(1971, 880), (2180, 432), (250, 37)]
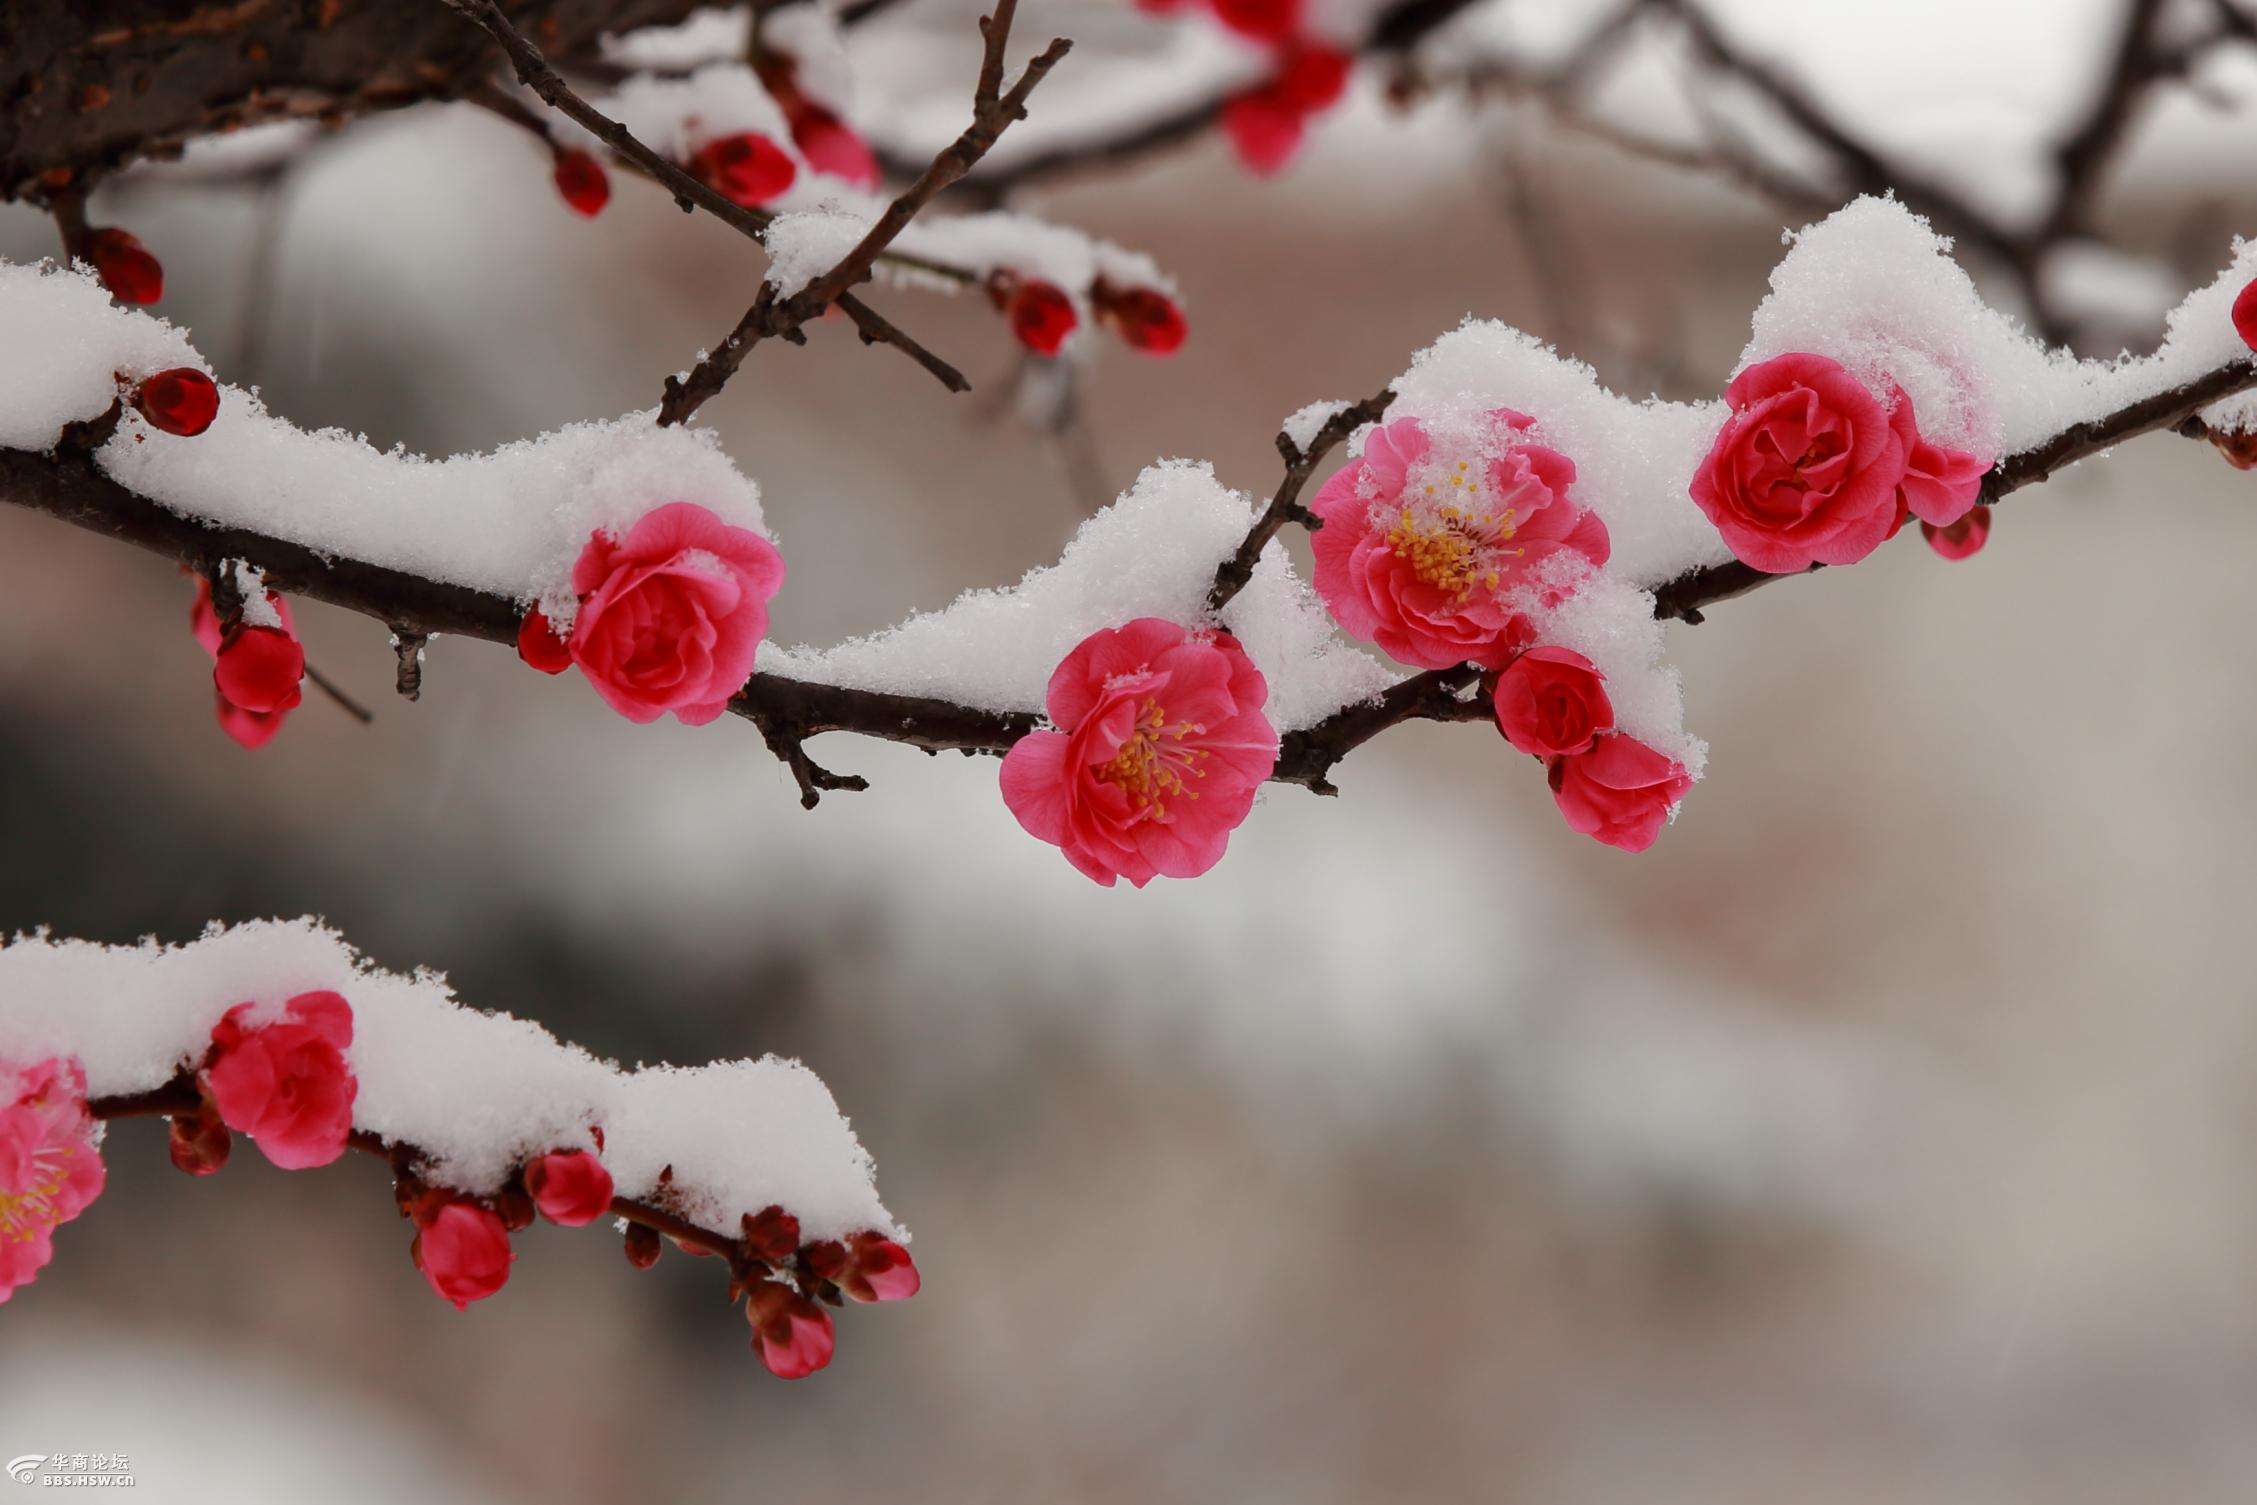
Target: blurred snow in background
[(1881, 1135)]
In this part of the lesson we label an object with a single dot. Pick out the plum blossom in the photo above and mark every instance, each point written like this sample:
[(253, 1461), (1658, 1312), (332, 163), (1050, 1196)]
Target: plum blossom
[(50, 1166), (671, 615), (1160, 747), (1551, 702), (793, 1334), (263, 665), (1621, 792), (1435, 554), (1940, 484), (284, 1082), (571, 1188), (461, 1248)]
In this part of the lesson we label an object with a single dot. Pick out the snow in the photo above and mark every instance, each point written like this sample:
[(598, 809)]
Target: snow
[(804, 245), (1302, 425), (478, 1092), (1151, 553), (510, 522), (63, 344), (1873, 286)]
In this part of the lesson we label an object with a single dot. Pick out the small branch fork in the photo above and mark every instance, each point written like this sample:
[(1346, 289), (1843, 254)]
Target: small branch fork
[(1285, 507), (535, 73), (183, 1097), (993, 110)]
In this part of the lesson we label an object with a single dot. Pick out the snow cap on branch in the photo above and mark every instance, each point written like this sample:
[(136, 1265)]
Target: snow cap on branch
[(479, 1093)]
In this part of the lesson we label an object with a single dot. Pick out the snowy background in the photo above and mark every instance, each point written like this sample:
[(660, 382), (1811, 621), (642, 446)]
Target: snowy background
[(1882, 1134)]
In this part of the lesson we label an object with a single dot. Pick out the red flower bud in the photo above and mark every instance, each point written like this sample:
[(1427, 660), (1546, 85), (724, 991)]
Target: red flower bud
[(793, 1334), (585, 186), (1961, 539), (771, 1234), (883, 1270), (1148, 320), (259, 669), (1041, 316), (831, 145), (514, 1208), (200, 1142), (250, 729), (1265, 129), (746, 168), (1551, 702), (181, 401), (642, 1245), (2245, 314), (462, 1249), (126, 268), (539, 645), (826, 1259), (571, 1188)]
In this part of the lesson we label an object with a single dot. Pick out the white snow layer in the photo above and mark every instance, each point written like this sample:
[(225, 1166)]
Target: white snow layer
[(1152, 553), (479, 1092), (511, 522)]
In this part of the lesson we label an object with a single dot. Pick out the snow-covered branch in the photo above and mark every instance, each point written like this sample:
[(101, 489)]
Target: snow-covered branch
[(280, 1032)]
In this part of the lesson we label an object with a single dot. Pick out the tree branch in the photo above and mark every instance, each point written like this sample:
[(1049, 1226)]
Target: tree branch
[(1684, 597), (992, 112), (534, 72), (1285, 506)]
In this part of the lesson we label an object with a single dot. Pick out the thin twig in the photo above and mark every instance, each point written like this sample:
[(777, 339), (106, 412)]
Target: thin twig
[(993, 110), (345, 702), (535, 73), (1285, 506)]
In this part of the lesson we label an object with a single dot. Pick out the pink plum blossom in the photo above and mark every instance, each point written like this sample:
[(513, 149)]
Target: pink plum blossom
[(671, 616), (1160, 746), (1620, 792), (571, 1188), (50, 1168), (285, 1082), (1434, 554)]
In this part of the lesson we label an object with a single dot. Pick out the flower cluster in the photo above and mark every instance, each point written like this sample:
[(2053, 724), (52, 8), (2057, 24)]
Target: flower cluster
[(1446, 554), (1811, 468), (50, 1163), (257, 665), (282, 1076), (671, 614)]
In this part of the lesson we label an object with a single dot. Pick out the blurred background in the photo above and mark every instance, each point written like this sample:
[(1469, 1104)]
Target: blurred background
[(1880, 1135)]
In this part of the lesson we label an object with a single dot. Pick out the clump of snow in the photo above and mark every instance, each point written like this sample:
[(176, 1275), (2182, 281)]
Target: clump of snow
[(63, 346), (1152, 553), (676, 116), (511, 522), (478, 1092), (1301, 426), (802, 246), (1632, 458), (1875, 288), (706, 37)]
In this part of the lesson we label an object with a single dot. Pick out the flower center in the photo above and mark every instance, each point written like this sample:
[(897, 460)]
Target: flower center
[(1153, 766), (1452, 533), (23, 1213)]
